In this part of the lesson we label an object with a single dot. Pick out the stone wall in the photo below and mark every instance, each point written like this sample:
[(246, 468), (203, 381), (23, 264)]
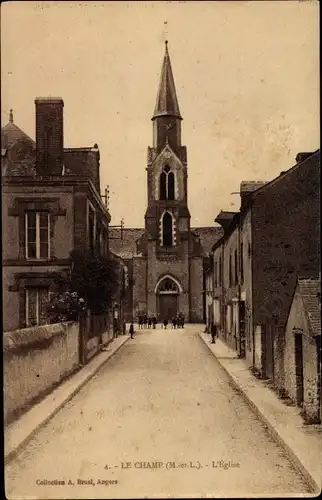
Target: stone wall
[(258, 347), (219, 308), (139, 284), (230, 283), (311, 373), (35, 360), (296, 319), (286, 239), (246, 283), (311, 403), (279, 370), (196, 288)]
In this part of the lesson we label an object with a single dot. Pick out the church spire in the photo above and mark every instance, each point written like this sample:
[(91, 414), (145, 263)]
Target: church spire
[(167, 103), (11, 116)]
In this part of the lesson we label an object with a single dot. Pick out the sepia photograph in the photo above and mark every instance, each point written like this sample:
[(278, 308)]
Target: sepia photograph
[(161, 285)]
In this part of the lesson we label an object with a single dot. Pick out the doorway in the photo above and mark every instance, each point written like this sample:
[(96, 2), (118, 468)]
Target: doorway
[(167, 306), (299, 368), (167, 292)]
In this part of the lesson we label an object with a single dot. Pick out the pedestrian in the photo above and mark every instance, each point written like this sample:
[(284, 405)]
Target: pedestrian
[(154, 322), (124, 327), (182, 321), (145, 320), (131, 330), (174, 322), (115, 328), (165, 323), (149, 322), (140, 321), (213, 330)]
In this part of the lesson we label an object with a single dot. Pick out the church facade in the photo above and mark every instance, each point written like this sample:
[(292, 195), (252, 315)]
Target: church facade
[(165, 260)]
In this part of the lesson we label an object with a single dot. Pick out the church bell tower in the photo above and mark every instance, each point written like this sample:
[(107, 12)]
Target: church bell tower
[(167, 218)]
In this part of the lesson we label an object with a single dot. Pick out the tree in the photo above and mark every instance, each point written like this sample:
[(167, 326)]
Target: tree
[(95, 278)]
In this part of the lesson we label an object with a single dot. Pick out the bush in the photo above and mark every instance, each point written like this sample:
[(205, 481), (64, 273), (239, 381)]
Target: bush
[(93, 278), (66, 306)]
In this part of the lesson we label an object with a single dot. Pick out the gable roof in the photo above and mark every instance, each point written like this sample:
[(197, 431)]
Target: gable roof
[(300, 161), (208, 237), (125, 247), (309, 289)]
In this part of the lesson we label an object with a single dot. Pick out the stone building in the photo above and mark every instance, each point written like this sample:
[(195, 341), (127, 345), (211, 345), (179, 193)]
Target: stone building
[(273, 240), (165, 260), (51, 205), (301, 351)]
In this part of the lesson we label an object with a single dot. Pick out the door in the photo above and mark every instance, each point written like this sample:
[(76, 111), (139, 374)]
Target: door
[(299, 368), (269, 351), (167, 306)]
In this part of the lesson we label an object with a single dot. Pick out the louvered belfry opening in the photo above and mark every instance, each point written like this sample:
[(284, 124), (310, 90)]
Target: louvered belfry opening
[(167, 236)]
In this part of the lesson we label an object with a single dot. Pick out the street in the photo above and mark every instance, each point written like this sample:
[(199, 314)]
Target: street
[(160, 419)]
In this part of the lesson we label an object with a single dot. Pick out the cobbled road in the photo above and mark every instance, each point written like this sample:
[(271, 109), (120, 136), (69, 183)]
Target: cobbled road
[(160, 419)]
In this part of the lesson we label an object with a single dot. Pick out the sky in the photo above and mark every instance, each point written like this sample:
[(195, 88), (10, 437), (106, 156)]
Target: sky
[(246, 75)]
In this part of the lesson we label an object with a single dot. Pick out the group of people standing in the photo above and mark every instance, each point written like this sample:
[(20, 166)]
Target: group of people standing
[(177, 322), (147, 321)]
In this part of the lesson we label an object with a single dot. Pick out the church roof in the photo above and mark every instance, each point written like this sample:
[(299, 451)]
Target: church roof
[(310, 290), (167, 102), (11, 134), (208, 237), (126, 247)]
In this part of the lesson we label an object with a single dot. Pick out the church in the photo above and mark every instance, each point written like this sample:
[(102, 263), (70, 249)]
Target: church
[(165, 261)]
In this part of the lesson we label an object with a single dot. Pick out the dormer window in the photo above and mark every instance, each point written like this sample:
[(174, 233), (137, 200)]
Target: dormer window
[(167, 184)]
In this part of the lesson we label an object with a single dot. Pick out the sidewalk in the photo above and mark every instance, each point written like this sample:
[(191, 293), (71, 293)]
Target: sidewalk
[(19, 432), (301, 442)]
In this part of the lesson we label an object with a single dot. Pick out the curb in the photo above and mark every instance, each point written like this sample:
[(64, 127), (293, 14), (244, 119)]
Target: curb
[(296, 462), (13, 453)]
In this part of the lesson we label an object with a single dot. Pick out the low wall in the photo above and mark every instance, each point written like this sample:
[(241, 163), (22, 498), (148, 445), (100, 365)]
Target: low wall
[(36, 359)]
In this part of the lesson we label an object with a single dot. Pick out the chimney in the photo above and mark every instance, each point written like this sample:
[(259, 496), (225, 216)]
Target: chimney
[(247, 188), (302, 156), (49, 135)]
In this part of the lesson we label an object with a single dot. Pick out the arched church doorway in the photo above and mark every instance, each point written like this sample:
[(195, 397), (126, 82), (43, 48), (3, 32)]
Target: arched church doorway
[(167, 292)]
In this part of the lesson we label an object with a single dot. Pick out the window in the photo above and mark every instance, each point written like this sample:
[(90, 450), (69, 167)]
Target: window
[(167, 184), (163, 186), (167, 236), (220, 277), (170, 186), (236, 267), (230, 273), (242, 263), (36, 299), (99, 240), (91, 228), (102, 243), (37, 225), (168, 285), (215, 274), (229, 318)]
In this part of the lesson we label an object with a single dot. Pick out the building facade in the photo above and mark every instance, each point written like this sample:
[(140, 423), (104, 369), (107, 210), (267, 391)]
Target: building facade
[(167, 258), (51, 205), (273, 240), (300, 376)]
